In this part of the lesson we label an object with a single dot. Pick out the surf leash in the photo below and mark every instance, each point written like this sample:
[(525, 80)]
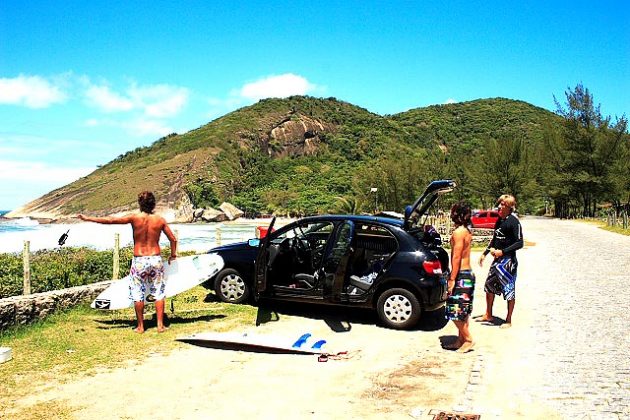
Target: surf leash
[(342, 355)]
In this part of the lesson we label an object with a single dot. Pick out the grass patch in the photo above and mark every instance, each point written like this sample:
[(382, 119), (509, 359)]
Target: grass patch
[(602, 225), (616, 229), (81, 341), (591, 221)]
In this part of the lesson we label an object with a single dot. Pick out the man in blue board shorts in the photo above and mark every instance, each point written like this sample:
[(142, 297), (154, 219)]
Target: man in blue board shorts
[(507, 238), (147, 268)]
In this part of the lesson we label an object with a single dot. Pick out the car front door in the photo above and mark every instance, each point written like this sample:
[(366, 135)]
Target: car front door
[(260, 270), (336, 261)]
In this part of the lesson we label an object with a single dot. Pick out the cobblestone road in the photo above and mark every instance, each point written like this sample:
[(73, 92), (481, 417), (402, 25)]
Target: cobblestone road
[(569, 348)]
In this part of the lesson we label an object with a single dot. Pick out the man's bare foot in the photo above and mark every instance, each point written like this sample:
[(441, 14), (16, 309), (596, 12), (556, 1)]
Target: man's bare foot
[(505, 325), (453, 346), (162, 329), (138, 330), (483, 318), (466, 347)]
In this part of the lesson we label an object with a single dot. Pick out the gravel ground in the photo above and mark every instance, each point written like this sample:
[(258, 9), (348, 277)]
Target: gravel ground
[(566, 356), (569, 348)]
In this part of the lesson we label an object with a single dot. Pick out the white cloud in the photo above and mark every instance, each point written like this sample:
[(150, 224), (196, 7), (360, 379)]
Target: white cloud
[(280, 86), (138, 127), (220, 107), (450, 101), (143, 127), (160, 101), (92, 122), (277, 87), (20, 171), (157, 101), (103, 98), (30, 91)]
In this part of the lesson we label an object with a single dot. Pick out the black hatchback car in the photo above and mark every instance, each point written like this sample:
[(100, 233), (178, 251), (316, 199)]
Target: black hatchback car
[(397, 267)]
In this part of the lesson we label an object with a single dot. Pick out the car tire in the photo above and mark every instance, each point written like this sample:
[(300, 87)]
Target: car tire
[(398, 309), (231, 287)]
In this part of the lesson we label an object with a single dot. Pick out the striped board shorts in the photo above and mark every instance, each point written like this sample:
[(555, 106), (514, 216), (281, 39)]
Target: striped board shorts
[(502, 277), (460, 303)]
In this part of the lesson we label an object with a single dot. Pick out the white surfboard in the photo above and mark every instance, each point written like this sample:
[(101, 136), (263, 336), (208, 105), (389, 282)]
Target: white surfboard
[(300, 344), (182, 274)]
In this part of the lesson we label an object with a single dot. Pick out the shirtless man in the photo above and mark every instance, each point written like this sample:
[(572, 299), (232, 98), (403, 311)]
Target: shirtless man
[(461, 283), (507, 238), (147, 268)]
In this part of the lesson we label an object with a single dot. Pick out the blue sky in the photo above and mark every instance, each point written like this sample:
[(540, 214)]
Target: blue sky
[(82, 82)]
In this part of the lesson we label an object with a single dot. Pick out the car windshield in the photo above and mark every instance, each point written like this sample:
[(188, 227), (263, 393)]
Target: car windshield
[(301, 230)]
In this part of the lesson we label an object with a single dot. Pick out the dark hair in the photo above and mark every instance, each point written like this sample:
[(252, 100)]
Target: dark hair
[(460, 213), (146, 201)]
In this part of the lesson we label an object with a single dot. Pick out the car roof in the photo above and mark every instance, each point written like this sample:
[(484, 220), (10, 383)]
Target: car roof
[(355, 218), (485, 211)]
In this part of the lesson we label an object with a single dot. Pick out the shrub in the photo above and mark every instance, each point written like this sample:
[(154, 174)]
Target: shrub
[(62, 268)]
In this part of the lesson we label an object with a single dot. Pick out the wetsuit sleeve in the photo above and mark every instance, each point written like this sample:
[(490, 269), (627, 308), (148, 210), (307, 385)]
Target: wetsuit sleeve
[(517, 236), (493, 241)]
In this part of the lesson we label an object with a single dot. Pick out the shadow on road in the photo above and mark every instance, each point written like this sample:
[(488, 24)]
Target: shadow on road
[(339, 319), (107, 324)]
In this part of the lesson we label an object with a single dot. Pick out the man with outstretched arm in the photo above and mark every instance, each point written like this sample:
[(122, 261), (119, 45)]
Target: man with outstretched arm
[(147, 268), (507, 238)]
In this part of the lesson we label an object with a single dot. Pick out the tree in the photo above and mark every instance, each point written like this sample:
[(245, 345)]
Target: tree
[(399, 178), (588, 150), (501, 167)]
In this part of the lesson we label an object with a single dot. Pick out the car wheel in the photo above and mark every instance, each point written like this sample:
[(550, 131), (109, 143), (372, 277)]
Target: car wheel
[(231, 287), (398, 309)]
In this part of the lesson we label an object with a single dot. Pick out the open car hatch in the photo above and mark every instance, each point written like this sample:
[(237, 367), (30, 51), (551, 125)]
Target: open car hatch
[(414, 213)]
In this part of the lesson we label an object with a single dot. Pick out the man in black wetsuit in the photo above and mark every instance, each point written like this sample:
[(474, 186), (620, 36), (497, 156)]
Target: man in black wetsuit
[(507, 238)]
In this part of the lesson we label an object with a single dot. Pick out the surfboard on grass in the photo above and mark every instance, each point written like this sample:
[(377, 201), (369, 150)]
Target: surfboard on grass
[(301, 344), (182, 274)]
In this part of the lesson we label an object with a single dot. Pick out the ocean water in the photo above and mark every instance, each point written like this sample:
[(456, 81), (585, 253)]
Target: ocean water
[(191, 237)]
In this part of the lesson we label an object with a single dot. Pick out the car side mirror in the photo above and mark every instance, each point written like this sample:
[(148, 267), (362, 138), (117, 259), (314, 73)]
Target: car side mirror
[(254, 243)]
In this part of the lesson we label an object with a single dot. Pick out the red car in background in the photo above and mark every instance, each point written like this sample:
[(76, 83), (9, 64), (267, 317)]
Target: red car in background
[(485, 219)]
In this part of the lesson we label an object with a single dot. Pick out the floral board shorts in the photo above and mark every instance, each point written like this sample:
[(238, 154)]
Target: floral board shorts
[(147, 279), (502, 278), (460, 303)]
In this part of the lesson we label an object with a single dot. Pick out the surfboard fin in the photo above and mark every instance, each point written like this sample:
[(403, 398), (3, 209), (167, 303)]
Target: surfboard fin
[(318, 345), (301, 340)]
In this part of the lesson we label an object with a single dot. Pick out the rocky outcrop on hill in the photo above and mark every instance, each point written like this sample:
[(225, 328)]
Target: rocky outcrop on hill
[(297, 136), (210, 215), (227, 212), (184, 210), (231, 211), (294, 134)]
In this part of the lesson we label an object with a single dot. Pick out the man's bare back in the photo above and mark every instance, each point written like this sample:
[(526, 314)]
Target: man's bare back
[(461, 241), (147, 229)]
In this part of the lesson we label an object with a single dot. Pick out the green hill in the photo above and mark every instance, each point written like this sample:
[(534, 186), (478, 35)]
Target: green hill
[(299, 155), (471, 123)]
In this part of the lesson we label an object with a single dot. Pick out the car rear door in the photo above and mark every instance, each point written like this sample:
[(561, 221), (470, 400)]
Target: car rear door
[(336, 261), (260, 270)]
